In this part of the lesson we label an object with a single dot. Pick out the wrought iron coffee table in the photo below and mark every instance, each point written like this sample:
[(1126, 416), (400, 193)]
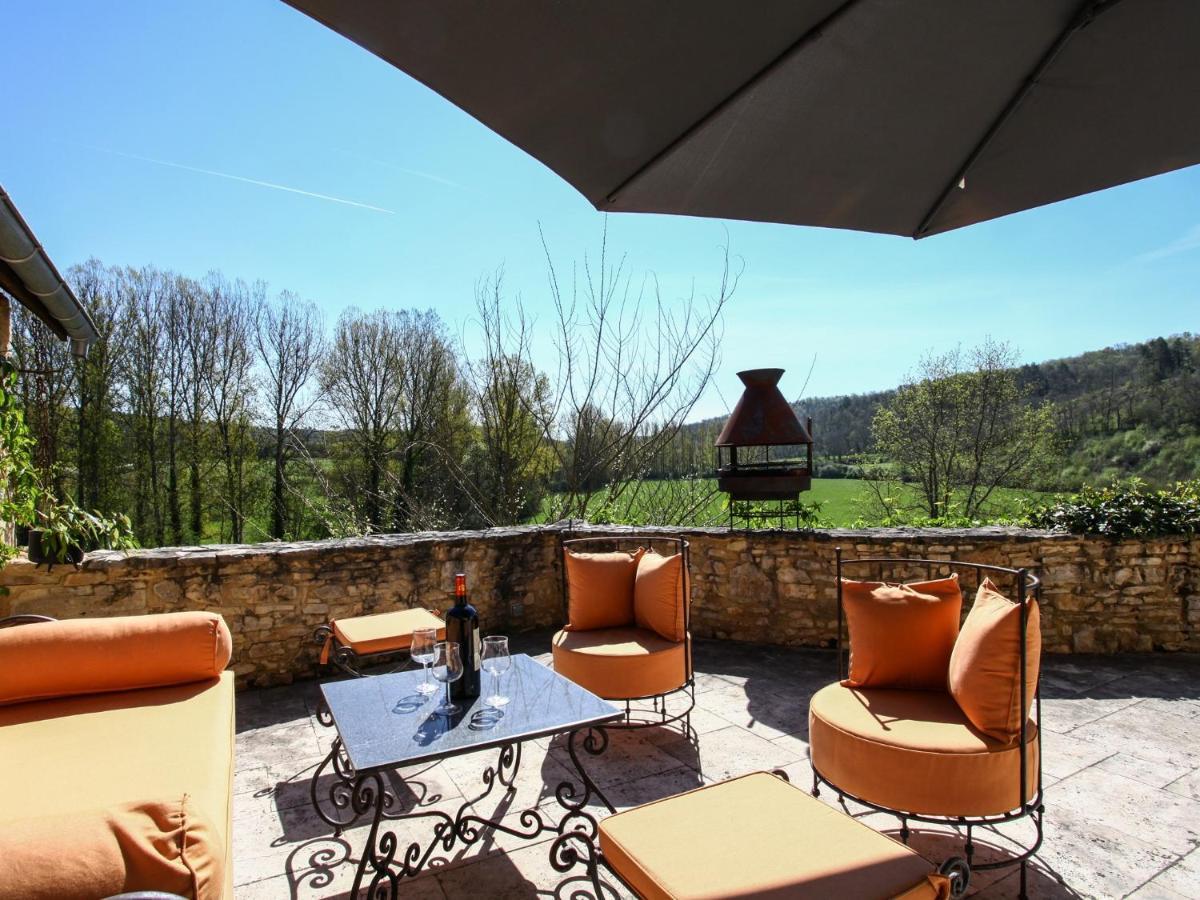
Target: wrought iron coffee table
[(383, 724)]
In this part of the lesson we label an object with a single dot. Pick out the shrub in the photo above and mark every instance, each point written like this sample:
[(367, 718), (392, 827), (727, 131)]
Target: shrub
[(1124, 509)]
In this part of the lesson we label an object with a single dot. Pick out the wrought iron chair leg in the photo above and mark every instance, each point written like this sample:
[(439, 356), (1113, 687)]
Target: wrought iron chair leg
[(969, 848), (816, 788), (904, 832), (1023, 892)]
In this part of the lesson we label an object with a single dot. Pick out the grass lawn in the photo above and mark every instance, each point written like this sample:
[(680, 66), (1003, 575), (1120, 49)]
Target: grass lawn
[(842, 501)]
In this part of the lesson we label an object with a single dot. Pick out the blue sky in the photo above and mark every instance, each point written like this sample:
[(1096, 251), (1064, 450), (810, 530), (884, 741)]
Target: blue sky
[(386, 195)]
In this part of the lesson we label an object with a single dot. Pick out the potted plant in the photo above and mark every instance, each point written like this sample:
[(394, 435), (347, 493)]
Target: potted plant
[(58, 532), (65, 532)]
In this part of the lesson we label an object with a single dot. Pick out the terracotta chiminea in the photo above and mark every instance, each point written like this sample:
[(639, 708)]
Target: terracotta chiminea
[(763, 418)]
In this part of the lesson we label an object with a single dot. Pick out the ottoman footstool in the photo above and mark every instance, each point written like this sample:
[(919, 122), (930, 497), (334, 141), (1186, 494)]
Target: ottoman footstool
[(757, 836), (347, 643)]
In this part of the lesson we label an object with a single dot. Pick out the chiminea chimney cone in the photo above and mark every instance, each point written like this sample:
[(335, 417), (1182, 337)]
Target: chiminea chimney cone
[(762, 416)]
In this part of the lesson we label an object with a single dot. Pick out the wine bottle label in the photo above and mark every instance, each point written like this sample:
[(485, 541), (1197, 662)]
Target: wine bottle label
[(478, 652)]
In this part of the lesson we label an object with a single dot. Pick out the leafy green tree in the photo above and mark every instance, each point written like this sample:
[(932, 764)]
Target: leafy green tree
[(962, 426)]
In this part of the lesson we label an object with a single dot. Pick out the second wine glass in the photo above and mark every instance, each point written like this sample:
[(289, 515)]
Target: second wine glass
[(423, 642), (447, 667)]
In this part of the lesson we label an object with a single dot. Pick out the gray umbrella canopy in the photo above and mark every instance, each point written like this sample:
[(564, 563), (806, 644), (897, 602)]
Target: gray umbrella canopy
[(908, 118)]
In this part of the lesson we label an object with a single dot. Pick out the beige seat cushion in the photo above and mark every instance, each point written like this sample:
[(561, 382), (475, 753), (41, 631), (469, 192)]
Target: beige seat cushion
[(385, 632), (758, 836), (105, 750), (620, 663), (915, 751)]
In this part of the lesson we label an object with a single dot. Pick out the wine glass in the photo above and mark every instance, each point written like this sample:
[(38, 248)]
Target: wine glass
[(423, 641), (447, 667), (496, 661)]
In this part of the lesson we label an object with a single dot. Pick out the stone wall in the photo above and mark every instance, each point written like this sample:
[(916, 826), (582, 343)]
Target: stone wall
[(769, 586)]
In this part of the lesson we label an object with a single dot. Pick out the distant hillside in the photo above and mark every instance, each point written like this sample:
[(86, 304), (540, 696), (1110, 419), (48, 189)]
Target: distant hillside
[(1130, 409)]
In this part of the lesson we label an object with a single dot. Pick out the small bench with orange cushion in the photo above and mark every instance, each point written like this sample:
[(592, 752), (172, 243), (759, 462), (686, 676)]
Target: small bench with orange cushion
[(117, 736), (759, 836), (348, 642)]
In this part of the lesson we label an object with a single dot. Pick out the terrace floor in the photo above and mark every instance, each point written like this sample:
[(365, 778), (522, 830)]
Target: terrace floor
[(1121, 759)]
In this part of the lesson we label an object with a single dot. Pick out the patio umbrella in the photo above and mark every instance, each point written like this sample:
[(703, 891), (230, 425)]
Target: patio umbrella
[(908, 118)]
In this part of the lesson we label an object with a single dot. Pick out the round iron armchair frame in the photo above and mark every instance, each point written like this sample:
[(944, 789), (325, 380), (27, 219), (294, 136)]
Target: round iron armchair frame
[(657, 716), (1026, 585)]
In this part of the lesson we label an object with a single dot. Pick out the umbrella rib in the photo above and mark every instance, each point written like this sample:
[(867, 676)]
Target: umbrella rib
[(810, 35), (1084, 17)]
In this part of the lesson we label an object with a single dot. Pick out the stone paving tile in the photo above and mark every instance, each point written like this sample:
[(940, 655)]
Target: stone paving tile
[(1183, 877), (1065, 754), (1122, 760), (1155, 774), (1186, 785), (1167, 821), (1152, 735)]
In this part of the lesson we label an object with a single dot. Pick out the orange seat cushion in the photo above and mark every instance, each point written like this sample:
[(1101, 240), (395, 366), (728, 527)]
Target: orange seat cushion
[(985, 668), (659, 593), (915, 751), (620, 663), (90, 656), (385, 632), (600, 588), (106, 750), (758, 836), (901, 635), (140, 846)]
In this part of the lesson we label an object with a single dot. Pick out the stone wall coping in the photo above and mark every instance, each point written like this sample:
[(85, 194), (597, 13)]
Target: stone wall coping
[(210, 553)]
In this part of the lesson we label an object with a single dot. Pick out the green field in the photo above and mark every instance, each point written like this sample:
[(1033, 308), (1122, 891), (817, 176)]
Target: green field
[(842, 502)]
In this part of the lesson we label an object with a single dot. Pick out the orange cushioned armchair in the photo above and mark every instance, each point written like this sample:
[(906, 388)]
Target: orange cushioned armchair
[(935, 718), (626, 637), (117, 737)]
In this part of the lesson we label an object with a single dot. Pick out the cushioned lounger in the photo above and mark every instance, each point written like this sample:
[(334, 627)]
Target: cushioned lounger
[(759, 836)]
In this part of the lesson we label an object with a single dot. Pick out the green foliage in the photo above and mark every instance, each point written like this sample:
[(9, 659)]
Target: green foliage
[(24, 501), (18, 478), (66, 529), (1124, 509)]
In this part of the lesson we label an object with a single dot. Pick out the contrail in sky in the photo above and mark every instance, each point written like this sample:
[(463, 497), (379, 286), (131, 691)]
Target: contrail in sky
[(266, 184)]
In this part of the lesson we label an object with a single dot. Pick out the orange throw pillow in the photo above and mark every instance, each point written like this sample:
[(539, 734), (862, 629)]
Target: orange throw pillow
[(144, 846), (121, 653), (658, 595), (600, 589), (901, 635), (985, 669)]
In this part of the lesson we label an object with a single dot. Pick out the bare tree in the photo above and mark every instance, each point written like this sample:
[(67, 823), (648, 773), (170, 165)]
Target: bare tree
[(288, 334), (631, 367), (362, 384), (229, 387), (144, 375), (510, 399), (99, 460), (961, 427), (196, 318), (47, 380)]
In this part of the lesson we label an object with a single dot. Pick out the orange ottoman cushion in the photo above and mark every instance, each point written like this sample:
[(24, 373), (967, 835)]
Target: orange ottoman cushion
[(901, 635), (385, 632), (620, 663), (144, 846), (758, 836), (915, 751), (659, 592), (985, 668), (91, 656), (600, 588)]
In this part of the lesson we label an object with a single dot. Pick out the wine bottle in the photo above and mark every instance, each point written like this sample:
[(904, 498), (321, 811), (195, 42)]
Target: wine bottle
[(462, 627)]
